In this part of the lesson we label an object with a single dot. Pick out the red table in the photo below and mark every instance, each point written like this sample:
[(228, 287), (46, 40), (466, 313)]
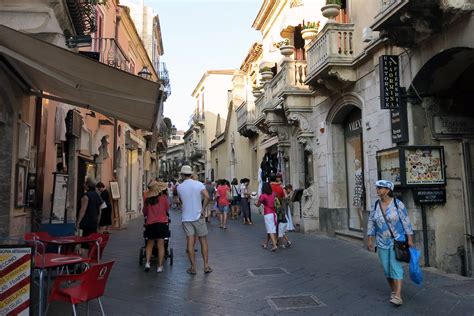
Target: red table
[(52, 260), (70, 240)]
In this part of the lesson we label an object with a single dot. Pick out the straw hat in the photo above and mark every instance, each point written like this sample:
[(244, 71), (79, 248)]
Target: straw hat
[(155, 188)]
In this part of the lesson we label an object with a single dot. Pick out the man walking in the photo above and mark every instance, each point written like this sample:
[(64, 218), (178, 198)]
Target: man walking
[(192, 193)]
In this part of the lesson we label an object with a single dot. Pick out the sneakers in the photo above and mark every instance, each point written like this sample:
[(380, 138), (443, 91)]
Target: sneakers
[(159, 269), (147, 267)]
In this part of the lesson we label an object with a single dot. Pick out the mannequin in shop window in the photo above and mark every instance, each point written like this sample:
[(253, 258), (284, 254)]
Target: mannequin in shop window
[(358, 199)]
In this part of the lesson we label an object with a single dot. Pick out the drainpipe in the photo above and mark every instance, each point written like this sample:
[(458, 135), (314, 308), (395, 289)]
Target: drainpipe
[(425, 236)]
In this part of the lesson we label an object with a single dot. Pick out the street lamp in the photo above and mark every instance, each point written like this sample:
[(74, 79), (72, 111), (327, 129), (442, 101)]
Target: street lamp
[(145, 73)]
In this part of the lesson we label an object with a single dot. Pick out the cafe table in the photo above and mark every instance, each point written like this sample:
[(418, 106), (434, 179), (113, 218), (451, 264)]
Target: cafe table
[(47, 261), (71, 240)]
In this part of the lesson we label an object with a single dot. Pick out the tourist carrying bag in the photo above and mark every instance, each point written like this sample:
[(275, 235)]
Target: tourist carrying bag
[(402, 252)]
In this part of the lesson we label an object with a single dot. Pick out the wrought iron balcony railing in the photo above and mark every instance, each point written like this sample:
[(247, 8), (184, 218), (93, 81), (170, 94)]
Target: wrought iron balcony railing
[(112, 54)]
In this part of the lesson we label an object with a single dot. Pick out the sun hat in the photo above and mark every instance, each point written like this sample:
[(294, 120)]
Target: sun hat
[(186, 170), (155, 188), (385, 184)]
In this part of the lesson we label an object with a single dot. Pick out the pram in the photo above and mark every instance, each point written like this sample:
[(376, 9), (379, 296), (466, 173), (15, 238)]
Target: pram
[(154, 254)]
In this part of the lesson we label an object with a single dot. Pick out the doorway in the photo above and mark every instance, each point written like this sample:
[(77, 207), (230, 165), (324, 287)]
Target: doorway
[(354, 168)]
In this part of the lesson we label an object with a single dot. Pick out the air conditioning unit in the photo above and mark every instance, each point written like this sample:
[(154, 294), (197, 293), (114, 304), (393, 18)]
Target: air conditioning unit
[(367, 34)]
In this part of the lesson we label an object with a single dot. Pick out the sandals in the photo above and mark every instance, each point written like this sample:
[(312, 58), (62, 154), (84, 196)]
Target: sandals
[(395, 300), (274, 249), (264, 246), (191, 271), (207, 269)]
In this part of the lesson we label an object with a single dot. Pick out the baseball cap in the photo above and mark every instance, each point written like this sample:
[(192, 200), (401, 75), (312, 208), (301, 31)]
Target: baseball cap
[(385, 184), (186, 169)]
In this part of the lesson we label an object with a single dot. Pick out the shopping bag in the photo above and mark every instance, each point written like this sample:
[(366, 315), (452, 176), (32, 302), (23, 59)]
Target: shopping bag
[(415, 272)]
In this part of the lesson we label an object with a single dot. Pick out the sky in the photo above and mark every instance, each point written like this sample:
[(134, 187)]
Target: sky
[(200, 35)]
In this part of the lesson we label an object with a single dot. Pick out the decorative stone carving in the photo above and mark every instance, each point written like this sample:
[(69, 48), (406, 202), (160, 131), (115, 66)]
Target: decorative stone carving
[(303, 121), (307, 142), (309, 197)]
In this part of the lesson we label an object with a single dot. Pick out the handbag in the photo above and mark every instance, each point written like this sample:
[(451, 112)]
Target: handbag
[(401, 248), (228, 195)]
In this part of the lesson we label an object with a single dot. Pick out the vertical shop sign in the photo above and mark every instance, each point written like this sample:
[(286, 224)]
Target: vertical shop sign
[(399, 122), (389, 82)]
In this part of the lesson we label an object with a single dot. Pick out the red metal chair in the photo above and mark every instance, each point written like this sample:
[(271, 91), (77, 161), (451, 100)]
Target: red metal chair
[(80, 288), (102, 240), (32, 239)]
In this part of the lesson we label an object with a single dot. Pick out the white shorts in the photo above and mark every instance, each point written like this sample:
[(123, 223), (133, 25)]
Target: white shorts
[(270, 220), (282, 229)]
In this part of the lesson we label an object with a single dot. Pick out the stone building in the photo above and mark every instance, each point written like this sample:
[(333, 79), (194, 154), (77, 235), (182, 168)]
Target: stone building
[(380, 91)]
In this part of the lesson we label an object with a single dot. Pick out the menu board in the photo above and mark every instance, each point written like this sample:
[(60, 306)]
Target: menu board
[(423, 165), (389, 165), (15, 285)]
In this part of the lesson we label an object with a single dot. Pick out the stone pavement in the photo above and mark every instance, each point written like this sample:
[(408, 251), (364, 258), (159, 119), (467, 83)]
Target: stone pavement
[(316, 276)]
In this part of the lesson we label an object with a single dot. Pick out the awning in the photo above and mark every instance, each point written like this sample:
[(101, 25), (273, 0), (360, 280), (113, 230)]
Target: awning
[(62, 75)]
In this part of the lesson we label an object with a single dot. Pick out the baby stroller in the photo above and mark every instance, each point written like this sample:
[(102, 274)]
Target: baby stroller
[(154, 254)]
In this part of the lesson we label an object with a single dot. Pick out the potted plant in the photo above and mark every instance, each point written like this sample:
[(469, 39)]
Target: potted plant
[(256, 91), (285, 48), (267, 73), (309, 31), (331, 10)]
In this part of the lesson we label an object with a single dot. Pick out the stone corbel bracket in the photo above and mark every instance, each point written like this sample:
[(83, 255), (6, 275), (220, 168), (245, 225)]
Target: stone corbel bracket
[(338, 78)]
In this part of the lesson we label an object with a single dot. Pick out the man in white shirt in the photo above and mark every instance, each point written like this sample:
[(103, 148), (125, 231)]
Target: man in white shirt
[(194, 198)]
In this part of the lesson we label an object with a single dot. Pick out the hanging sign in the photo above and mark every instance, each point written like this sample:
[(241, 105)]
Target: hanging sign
[(389, 82), (15, 279), (399, 123)]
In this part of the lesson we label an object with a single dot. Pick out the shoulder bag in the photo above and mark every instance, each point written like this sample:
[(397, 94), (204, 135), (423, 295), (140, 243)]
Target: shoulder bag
[(402, 252)]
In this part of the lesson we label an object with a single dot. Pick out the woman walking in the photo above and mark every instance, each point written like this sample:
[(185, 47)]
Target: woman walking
[(389, 218), (244, 201), (106, 213), (156, 215), (223, 203), (267, 199), (235, 203)]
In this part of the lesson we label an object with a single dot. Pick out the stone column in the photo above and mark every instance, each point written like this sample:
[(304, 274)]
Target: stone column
[(72, 179)]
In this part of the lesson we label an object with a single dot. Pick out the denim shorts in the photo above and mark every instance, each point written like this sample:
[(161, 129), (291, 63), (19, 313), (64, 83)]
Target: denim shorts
[(392, 268), (224, 209)]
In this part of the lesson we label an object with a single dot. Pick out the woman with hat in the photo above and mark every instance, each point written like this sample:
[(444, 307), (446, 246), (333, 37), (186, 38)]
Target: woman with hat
[(389, 218), (156, 215)]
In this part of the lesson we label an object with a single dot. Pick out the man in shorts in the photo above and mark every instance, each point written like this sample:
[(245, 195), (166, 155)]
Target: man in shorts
[(194, 198)]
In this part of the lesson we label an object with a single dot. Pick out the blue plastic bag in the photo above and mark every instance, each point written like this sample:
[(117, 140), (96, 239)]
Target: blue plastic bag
[(415, 272)]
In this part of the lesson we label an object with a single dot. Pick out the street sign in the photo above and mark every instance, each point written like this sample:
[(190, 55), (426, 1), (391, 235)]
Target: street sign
[(389, 82)]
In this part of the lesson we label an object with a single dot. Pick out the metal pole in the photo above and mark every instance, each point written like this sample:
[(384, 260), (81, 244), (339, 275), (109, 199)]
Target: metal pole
[(425, 236)]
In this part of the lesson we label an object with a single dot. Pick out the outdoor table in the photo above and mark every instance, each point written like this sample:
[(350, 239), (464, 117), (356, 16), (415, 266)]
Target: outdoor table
[(52, 260), (70, 240)]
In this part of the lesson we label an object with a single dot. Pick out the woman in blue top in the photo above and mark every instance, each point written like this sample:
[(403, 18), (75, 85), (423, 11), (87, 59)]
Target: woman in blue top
[(397, 217)]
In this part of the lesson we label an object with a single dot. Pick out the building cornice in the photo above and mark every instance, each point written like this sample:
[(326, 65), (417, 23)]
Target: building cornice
[(255, 52), (206, 74), (267, 7)]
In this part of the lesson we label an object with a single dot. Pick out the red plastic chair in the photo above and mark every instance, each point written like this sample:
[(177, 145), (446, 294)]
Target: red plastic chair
[(32, 239), (86, 286), (102, 239)]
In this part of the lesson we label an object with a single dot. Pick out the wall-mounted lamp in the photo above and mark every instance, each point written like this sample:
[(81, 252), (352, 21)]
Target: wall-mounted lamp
[(145, 73)]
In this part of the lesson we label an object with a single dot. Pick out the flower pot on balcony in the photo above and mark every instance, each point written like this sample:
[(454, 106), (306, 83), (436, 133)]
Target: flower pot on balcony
[(287, 50), (330, 11), (309, 34), (267, 75)]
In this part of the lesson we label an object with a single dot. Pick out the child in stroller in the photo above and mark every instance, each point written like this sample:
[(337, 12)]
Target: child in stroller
[(154, 253), (156, 234)]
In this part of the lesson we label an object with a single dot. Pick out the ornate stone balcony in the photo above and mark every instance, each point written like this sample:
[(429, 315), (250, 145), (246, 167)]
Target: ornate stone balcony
[(408, 22), (245, 119), (330, 58)]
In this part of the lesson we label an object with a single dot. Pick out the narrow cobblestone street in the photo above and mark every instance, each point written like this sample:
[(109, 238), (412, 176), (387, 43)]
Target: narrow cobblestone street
[(341, 277)]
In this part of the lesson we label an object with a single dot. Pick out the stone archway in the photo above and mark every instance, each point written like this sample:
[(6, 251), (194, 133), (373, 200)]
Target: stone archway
[(345, 148)]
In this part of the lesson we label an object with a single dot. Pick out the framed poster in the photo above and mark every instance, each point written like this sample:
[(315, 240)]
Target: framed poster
[(58, 208), (23, 141), (20, 185), (114, 189), (424, 165), (388, 165), (16, 266)]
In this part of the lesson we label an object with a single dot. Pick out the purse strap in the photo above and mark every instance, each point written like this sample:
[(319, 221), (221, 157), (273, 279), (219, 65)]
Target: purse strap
[(385, 218)]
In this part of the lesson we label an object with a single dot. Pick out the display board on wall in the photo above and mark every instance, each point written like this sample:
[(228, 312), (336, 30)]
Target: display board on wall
[(114, 189), (16, 265), (58, 208)]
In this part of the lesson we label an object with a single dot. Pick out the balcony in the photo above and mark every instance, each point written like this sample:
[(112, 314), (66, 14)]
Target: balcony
[(197, 153), (112, 54), (408, 22), (330, 58), (245, 119)]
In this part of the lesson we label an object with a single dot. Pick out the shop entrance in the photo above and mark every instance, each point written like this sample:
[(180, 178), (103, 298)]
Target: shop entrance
[(354, 171)]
